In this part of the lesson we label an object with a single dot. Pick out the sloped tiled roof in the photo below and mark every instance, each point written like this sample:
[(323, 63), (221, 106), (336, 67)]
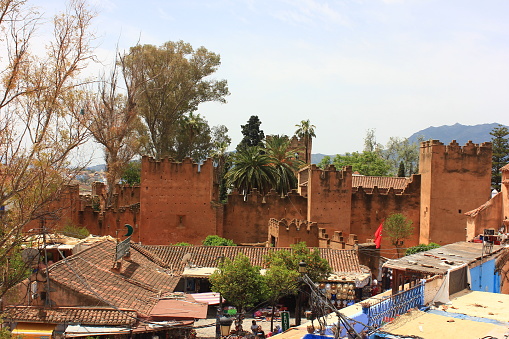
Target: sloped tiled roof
[(208, 256), (383, 183), (505, 168), (137, 286), (79, 315)]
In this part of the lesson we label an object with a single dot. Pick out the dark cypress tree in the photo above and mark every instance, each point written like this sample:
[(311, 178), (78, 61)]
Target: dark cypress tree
[(401, 170), (253, 136), (500, 142)]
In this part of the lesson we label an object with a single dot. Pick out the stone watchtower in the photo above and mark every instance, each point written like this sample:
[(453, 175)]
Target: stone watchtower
[(454, 180)]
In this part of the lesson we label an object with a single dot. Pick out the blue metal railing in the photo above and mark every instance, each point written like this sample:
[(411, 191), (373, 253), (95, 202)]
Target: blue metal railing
[(386, 310)]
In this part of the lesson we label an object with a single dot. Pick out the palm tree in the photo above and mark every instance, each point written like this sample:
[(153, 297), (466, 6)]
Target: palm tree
[(251, 169), (284, 162), (306, 131)]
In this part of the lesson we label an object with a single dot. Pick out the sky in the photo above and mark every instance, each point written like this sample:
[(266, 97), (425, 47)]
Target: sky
[(395, 66)]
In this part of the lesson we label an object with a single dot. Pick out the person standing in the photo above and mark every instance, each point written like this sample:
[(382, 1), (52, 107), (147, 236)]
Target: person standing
[(254, 327), (259, 333)]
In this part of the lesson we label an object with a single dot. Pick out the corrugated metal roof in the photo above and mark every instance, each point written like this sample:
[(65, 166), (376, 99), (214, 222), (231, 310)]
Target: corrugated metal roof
[(442, 259)]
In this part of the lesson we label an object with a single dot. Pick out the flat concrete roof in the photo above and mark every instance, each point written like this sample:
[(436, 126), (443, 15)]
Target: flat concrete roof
[(471, 314)]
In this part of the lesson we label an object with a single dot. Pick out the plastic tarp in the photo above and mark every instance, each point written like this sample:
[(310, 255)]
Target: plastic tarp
[(211, 298), (452, 283)]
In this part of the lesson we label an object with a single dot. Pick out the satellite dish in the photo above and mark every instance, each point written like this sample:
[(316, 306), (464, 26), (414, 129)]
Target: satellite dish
[(129, 230), (30, 256), (186, 258)]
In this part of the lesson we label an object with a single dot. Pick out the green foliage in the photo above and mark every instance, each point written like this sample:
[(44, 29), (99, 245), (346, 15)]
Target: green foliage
[(182, 244), (400, 150), (280, 279), (500, 157), (215, 240), (325, 162), (306, 131), (318, 268), (173, 81), (283, 159), (193, 138), (253, 135), (132, 173), (366, 163), (401, 169), (421, 248), (251, 168), (13, 269), (220, 143), (74, 231), (240, 283), (398, 228)]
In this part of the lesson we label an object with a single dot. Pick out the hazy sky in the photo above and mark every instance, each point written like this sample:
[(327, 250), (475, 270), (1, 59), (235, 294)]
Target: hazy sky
[(392, 65)]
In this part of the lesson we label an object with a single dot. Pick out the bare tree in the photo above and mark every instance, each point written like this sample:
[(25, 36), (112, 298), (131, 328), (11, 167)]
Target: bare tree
[(39, 126), (112, 119)]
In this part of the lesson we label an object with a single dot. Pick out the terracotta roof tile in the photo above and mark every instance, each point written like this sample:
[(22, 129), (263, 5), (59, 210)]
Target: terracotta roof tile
[(505, 168), (383, 183), (137, 286), (208, 256), (80, 315)]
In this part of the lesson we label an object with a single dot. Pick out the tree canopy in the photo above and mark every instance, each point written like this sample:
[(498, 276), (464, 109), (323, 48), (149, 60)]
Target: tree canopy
[(239, 282), (253, 135), (215, 240), (500, 141), (398, 228), (306, 131), (173, 81)]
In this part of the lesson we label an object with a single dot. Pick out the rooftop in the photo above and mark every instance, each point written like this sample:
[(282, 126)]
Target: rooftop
[(442, 259)]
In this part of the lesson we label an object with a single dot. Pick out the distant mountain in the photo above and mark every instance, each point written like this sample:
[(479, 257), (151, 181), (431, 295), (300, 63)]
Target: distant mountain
[(316, 158), (460, 133), (97, 168)]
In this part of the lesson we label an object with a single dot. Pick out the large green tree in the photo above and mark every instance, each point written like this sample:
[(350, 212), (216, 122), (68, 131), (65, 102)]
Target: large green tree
[(283, 159), (306, 131), (401, 151), (500, 140), (366, 163), (318, 268), (239, 282), (251, 168), (173, 80), (193, 138), (253, 136), (220, 143)]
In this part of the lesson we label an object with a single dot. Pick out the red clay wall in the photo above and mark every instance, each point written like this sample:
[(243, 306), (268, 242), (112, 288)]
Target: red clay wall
[(454, 180), (247, 221), (288, 232), (369, 210), (179, 202), (329, 195)]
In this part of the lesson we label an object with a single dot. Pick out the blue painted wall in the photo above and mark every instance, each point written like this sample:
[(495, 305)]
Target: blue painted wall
[(484, 278)]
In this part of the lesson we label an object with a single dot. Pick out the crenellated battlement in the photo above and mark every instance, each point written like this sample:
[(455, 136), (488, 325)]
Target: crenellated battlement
[(284, 232), (470, 148), (169, 165)]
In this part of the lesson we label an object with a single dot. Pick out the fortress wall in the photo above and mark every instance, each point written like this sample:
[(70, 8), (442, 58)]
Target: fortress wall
[(455, 180), (369, 210), (179, 201), (246, 221)]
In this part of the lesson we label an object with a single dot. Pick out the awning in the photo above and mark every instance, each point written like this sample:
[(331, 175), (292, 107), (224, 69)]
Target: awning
[(211, 298), (198, 272), (34, 330), (86, 331), (179, 309)]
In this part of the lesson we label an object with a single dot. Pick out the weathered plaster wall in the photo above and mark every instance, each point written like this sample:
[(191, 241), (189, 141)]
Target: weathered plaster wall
[(247, 220), (179, 202), (454, 180), (329, 194), (370, 210)]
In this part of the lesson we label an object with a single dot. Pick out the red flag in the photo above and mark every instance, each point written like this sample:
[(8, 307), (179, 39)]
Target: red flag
[(378, 235)]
